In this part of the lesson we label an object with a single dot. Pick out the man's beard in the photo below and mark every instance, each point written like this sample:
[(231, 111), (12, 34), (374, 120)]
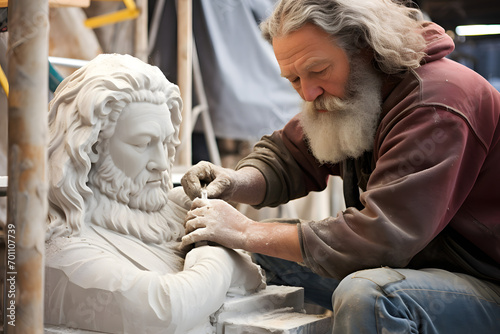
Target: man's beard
[(123, 205), (347, 129)]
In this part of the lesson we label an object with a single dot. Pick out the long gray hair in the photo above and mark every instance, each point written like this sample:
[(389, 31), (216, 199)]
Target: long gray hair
[(83, 113), (389, 28)]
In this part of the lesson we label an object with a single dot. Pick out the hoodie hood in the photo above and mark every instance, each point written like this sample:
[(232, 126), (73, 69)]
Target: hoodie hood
[(439, 44)]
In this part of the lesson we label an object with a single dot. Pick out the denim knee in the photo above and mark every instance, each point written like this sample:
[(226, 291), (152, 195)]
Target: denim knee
[(357, 303), (386, 300), (360, 288)]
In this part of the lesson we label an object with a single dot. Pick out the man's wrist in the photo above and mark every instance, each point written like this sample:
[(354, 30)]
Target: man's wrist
[(250, 186), (274, 239)]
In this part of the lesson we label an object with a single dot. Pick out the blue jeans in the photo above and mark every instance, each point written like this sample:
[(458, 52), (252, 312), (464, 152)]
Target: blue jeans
[(385, 300)]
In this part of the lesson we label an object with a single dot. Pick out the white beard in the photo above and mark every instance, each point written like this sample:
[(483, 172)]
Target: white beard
[(347, 129), (123, 205), (113, 183), (158, 227)]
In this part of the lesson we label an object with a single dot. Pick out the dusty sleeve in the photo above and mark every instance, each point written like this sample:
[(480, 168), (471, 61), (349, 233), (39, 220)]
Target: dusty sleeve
[(411, 196), (290, 170)]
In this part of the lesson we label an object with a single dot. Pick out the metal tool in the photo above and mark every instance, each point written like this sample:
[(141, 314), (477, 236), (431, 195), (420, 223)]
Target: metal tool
[(204, 193)]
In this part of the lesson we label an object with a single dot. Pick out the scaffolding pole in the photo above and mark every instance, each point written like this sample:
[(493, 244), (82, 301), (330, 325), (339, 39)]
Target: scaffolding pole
[(27, 187), (184, 77), (141, 31)]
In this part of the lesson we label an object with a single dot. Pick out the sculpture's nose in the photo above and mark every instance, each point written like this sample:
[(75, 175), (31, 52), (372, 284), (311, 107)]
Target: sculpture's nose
[(158, 159)]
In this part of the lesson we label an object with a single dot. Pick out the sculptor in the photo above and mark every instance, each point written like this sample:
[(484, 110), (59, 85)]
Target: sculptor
[(115, 221)]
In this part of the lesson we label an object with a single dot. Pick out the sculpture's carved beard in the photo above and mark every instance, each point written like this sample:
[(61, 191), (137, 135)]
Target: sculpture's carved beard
[(132, 206), (348, 128), (137, 193)]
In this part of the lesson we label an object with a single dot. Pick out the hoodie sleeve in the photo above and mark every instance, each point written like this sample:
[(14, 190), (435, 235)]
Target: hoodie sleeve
[(289, 168)]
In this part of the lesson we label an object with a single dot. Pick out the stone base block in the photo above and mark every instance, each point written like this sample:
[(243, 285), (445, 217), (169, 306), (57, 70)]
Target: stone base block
[(280, 323), (277, 309)]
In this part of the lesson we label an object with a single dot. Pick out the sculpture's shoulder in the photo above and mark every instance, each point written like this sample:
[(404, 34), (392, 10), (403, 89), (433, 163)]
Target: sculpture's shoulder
[(98, 248), (179, 197), (64, 250), (179, 201)]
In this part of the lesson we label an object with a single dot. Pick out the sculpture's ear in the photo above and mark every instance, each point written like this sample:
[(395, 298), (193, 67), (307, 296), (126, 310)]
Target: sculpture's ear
[(94, 153), (94, 149)]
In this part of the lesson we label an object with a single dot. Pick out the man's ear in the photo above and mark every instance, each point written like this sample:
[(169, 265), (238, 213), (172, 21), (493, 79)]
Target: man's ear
[(367, 54)]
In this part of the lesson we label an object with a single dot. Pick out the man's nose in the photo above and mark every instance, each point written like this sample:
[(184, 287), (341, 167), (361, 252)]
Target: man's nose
[(310, 90), (158, 159)]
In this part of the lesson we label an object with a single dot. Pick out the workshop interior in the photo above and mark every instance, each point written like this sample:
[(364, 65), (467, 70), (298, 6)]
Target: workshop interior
[(232, 95)]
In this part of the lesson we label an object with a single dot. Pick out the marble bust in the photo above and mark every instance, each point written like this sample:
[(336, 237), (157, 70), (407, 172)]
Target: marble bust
[(115, 220)]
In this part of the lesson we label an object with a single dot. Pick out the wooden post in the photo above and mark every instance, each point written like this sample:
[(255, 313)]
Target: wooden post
[(141, 31), (184, 76), (27, 187)]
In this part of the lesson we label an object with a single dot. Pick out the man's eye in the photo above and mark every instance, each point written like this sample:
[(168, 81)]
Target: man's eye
[(323, 71), (295, 80)]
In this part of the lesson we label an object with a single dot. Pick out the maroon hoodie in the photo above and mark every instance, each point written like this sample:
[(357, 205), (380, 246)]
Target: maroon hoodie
[(431, 185)]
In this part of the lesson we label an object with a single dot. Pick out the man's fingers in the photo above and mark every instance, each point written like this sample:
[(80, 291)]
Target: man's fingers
[(191, 185), (192, 180), (192, 238), (217, 187), (205, 174), (190, 215), (198, 203), (194, 224), (186, 241)]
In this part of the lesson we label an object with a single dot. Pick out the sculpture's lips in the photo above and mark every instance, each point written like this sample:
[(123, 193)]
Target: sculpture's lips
[(322, 110), (154, 181)]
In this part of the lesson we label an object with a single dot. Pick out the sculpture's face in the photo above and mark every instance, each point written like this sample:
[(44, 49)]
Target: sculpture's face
[(142, 141)]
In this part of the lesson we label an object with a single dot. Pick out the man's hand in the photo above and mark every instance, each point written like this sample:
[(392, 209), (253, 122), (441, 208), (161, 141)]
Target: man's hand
[(217, 221), (220, 181)]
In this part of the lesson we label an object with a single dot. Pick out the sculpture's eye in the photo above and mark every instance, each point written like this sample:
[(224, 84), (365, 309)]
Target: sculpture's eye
[(142, 145)]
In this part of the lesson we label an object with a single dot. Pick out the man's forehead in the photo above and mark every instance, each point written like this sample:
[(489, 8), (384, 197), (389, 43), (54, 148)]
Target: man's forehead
[(304, 49)]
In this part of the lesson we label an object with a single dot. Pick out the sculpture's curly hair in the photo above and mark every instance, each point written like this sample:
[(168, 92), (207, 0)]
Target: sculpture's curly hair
[(388, 27), (83, 113)]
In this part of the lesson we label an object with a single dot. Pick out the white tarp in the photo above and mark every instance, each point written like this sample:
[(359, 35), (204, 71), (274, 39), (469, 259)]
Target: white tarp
[(247, 97)]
